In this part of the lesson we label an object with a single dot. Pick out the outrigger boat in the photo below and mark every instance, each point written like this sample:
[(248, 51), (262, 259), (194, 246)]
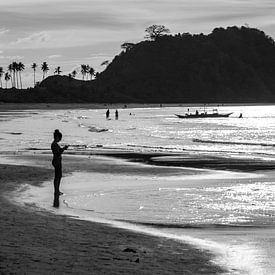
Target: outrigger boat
[(204, 114)]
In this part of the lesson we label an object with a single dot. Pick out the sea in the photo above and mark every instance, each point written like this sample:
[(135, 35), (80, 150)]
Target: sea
[(229, 212)]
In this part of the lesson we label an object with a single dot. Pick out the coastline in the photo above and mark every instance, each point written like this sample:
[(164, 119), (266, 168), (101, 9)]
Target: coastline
[(68, 106), (35, 240)]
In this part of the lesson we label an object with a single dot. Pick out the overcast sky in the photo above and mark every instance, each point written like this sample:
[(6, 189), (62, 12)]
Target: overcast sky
[(73, 32)]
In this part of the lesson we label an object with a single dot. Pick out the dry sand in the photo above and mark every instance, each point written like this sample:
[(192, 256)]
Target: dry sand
[(33, 241)]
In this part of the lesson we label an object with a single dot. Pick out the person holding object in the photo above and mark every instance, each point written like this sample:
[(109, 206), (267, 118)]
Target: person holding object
[(57, 160)]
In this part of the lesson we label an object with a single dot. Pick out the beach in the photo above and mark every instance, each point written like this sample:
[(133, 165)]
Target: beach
[(146, 194), (35, 241)]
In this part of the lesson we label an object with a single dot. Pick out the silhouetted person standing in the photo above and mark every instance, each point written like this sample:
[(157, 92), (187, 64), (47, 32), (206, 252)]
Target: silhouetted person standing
[(107, 114), (116, 114), (57, 161)]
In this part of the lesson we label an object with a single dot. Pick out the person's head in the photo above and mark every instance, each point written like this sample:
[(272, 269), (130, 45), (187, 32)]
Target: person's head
[(57, 135)]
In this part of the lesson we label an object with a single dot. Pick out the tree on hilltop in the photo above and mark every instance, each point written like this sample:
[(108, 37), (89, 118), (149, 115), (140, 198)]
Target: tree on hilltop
[(87, 71), (73, 73), (156, 31), (45, 69), (91, 72), (57, 70), (84, 69), (127, 46)]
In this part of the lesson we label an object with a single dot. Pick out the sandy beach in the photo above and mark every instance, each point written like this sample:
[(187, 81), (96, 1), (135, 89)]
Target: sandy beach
[(35, 241)]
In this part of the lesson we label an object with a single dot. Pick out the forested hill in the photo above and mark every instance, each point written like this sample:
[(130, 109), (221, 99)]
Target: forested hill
[(228, 65)]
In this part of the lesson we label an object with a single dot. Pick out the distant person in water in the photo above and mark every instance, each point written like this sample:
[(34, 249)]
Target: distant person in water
[(241, 115), (116, 114), (107, 114), (57, 161)]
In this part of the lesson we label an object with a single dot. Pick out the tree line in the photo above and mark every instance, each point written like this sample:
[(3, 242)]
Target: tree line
[(14, 70), (13, 73), (235, 64)]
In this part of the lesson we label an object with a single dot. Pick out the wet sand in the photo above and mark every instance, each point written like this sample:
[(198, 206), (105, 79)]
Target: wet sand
[(34, 241)]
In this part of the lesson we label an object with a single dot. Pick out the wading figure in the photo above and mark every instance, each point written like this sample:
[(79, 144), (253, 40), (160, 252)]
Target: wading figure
[(107, 114), (57, 162), (116, 114)]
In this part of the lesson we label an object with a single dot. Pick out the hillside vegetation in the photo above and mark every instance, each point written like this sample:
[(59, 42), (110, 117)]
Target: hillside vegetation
[(228, 65)]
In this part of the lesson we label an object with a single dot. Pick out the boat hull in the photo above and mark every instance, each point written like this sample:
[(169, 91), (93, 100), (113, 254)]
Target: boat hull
[(203, 115)]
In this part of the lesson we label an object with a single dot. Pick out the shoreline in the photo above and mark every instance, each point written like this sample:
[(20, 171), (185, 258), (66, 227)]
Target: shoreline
[(61, 244), (68, 106)]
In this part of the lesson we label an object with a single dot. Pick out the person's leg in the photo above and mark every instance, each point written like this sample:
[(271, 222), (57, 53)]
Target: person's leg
[(55, 182), (57, 178)]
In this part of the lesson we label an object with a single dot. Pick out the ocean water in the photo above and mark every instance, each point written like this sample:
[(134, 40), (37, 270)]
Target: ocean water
[(146, 129), (229, 213)]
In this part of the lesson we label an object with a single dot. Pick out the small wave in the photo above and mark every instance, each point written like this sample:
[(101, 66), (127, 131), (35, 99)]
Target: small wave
[(93, 129), (78, 146), (70, 207), (155, 147), (97, 130), (14, 133), (195, 226), (233, 142), (36, 149)]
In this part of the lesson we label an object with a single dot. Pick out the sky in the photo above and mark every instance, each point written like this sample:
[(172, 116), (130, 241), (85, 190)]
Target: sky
[(68, 33)]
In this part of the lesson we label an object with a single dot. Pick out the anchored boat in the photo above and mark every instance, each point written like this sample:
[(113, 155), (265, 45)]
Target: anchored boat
[(215, 113)]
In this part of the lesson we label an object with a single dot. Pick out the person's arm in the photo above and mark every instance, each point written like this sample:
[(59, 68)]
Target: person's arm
[(64, 148), (57, 150)]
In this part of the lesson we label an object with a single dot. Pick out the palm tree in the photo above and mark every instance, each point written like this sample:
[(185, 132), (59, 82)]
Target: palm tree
[(57, 70), (96, 74), (7, 78), (87, 71), (34, 66), (44, 68), (10, 70), (74, 73), (91, 72), (15, 73), (83, 70), (21, 68), (1, 74)]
